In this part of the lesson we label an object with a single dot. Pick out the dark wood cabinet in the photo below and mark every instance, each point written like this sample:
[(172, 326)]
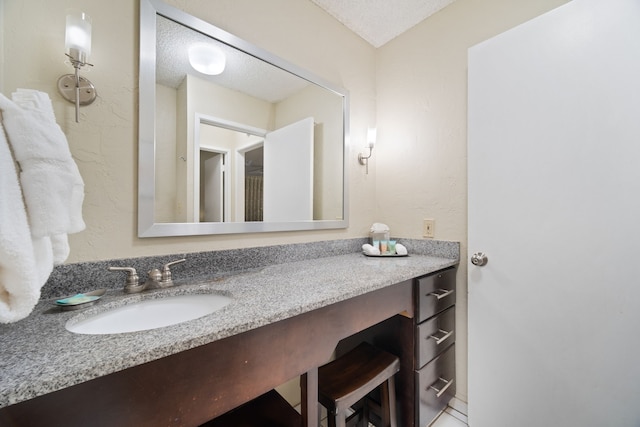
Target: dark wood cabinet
[(434, 335), (425, 344), (413, 319), (434, 362), (192, 387)]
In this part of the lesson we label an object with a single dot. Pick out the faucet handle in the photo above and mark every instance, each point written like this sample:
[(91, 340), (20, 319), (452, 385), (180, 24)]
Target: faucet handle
[(133, 281), (166, 272)]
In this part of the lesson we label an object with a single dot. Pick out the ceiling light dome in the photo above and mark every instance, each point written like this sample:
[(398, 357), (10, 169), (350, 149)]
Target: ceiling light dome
[(207, 59)]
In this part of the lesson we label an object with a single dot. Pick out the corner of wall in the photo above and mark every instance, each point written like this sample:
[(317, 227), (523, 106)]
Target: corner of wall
[(2, 47)]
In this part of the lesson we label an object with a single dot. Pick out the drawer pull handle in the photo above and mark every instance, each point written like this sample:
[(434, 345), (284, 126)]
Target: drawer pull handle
[(440, 392), (442, 338), (440, 293)]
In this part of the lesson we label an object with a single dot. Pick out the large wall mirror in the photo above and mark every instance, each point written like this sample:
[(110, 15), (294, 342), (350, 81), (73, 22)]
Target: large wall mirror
[(232, 138)]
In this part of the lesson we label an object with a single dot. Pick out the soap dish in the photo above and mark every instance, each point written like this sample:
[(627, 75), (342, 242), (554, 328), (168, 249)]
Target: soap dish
[(80, 301)]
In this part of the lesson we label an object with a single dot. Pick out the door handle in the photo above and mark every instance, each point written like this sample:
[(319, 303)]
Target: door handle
[(479, 259)]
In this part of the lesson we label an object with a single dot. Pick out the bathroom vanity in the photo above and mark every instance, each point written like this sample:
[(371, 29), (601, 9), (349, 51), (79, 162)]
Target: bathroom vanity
[(285, 321)]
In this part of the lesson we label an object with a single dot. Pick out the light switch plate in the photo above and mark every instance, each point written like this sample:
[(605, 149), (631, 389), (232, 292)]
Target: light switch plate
[(428, 227)]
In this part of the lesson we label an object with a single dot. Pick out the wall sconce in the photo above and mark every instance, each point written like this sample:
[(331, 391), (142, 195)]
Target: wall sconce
[(77, 41), (371, 141)]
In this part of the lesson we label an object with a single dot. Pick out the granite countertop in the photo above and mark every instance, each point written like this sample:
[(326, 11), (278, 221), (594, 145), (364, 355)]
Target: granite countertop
[(39, 355)]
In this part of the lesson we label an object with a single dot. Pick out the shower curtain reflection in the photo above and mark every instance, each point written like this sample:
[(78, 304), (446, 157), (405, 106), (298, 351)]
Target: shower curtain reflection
[(253, 186)]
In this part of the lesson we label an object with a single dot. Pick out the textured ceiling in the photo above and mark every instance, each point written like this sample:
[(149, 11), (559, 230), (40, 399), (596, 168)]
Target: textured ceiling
[(376, 21), (379, 21), (243, 72)]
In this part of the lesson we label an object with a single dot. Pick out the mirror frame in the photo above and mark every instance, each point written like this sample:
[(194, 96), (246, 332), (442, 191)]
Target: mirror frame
[(147, 227)]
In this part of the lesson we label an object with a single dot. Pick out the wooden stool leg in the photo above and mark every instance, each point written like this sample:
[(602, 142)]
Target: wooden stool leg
[(309, 394), (388, 403), (385, 415), (364, 421), (339, 419), (393, 422)]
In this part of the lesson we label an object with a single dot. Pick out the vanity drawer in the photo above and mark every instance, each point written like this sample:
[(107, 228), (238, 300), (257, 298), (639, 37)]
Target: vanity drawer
[(434, 335), (435, 293), (435, 386)]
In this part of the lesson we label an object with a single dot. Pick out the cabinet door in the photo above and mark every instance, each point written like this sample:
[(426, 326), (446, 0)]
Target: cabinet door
[(435, 335), (435, 293), (435, 386)]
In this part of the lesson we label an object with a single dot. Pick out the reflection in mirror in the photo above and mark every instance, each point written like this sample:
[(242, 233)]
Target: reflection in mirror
[(256, 145)]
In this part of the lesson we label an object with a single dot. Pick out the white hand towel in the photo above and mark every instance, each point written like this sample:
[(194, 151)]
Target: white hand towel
[(25, 265), (379, 227), (52, 187), (34, 100), (370, 250), (401, 249)]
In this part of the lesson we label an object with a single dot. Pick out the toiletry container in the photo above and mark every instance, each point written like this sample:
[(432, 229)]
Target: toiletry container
[(378, 237)]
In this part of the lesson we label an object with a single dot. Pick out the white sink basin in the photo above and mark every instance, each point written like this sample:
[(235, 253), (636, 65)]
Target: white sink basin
[(149, 314)]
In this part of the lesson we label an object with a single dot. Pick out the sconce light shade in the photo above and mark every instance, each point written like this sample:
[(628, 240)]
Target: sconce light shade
[(207, 59), (372, 134), (77, 40)]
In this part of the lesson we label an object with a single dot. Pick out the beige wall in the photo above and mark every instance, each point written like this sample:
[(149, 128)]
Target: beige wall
[(415, 85), (104, 143), (421, 155), (166, 153)]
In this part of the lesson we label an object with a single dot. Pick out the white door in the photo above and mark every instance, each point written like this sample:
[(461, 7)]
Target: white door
[(554, 203), (288, 173), (213, 187)]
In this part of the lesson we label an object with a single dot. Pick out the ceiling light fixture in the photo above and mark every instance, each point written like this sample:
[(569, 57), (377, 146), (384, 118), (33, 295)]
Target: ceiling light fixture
[(207, 59)]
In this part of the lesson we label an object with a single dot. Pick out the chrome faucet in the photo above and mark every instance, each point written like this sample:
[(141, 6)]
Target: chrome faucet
[(162, 279), (132, 285), (157, 279)]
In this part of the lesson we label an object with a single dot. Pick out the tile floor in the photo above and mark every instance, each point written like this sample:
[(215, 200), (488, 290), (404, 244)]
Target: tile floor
[(453, 416), (449, 418)]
